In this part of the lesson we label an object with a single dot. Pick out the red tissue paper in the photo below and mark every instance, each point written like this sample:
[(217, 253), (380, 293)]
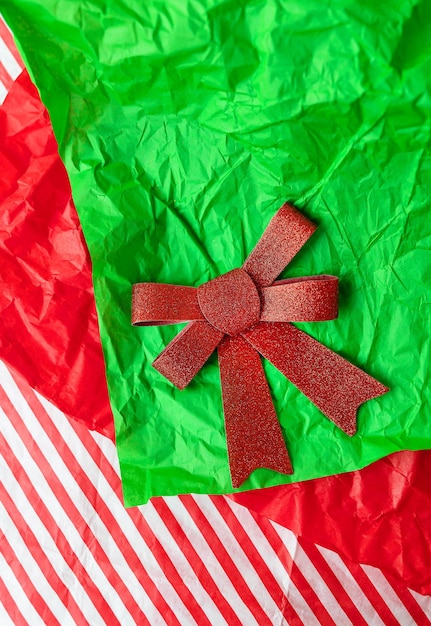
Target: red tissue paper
[(380, 515), (387, 503), (48, 324)]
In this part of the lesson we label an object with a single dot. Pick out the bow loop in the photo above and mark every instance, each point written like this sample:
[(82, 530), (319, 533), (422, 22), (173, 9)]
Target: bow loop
[(156, 304), (284, 236), (306, 299)]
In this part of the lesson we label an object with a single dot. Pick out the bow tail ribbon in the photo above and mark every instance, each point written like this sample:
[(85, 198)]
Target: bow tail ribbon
[(331, 382), (187, 353), (253, 433)]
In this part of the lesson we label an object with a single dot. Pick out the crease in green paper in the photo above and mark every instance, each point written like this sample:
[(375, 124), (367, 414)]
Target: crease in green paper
[(183, 129)]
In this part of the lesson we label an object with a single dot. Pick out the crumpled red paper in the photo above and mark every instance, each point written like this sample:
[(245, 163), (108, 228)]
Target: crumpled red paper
[(380, 515), (48, 323)]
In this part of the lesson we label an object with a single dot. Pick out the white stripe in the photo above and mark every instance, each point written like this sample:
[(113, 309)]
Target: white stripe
[(388, 594), (353, 590), (3, 92), (10, 64), (239, 557), (310, 572), (206, 555), (272, 559), (40, 582), (423, 601), (182, 565), (257, 537), (78, 545), (128, 528), (59, 564), (84, 506), (24, 605), (106, 446)]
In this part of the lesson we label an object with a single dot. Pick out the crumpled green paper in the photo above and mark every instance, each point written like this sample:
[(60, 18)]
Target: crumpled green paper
[(184, 127)]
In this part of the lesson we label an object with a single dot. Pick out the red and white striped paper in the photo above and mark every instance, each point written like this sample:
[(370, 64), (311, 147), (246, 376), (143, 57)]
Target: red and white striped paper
[(71, 554), (10, 61)]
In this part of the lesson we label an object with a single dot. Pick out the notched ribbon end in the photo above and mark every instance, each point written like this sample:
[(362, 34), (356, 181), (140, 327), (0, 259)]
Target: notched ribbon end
[(347, 419), (239, 475), (253, 432)]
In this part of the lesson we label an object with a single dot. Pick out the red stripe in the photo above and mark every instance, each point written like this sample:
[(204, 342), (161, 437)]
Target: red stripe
[(372, 594), (297, 577), (263, 569), (171, 573), (199, 567), (135, 515), (38, 553), (80, 429), (408, 600), (6, 35), (38, 602), (10, 606), (133, 559), (63, 546), (226, 562), (346, 603), (5, 77), (142, 526)]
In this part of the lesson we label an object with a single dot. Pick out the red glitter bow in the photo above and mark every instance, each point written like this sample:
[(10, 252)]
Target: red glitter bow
[(243, 313)]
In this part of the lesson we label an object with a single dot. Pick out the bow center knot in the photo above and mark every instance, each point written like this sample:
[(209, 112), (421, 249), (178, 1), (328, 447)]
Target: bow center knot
[(230, 302)]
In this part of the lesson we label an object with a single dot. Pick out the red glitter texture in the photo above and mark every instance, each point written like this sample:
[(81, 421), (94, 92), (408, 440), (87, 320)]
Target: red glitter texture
[(308, 299), (284, 236), (230, 302), (155, 304), (333, 384), (244, 312), (185, 355), (252, 426)]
